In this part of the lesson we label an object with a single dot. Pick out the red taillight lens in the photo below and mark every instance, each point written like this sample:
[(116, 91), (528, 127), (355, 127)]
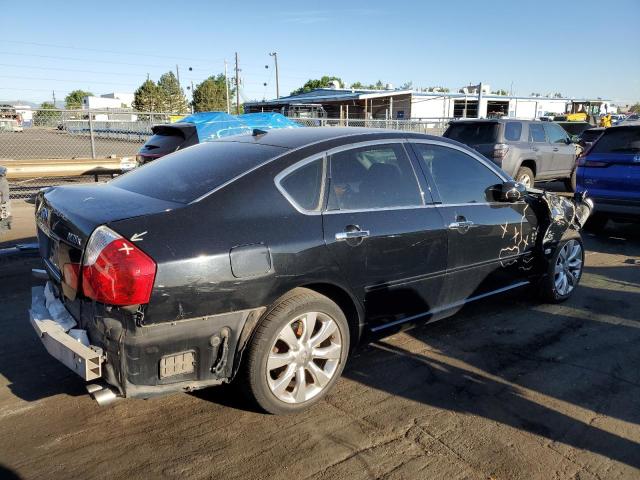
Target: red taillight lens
[(71, 274), (115, 271)]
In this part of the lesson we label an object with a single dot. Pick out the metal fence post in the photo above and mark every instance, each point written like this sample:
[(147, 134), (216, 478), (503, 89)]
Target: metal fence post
[(93, 141)]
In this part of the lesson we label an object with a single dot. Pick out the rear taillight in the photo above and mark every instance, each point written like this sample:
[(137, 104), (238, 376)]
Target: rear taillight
[(500, 150), (115, 271), (583, 161)]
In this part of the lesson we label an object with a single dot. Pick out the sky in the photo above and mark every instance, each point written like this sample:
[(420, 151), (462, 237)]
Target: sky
[(578, 48)]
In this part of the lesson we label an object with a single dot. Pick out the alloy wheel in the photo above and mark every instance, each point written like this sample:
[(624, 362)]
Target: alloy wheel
[(525, 180), (568, 267), (304, 357)]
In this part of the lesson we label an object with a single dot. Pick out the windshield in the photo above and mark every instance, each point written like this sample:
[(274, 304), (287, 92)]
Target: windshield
[(618, 140), (472, 133), (188, 174)]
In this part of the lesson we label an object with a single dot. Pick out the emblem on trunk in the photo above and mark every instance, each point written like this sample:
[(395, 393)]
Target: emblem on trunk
[(75, 239)]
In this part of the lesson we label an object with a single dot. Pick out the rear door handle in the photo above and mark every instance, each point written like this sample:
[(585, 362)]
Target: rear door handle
[(340, 236), (462, 227), (555, 149)]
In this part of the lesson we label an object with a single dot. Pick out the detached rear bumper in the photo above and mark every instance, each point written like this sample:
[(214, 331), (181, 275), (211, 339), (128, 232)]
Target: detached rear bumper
[(53, 324)]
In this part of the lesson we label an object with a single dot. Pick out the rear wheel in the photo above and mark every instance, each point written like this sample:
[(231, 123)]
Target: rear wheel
[(297, 353), (525, 176), (565, 270)]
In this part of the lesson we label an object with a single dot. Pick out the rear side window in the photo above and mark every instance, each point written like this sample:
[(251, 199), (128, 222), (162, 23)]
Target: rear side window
[(188, 174), (304, 186), (512, 131), (378, 176), (536, 133), (555, 134), (473, 132), (459, 177), (618, 140)]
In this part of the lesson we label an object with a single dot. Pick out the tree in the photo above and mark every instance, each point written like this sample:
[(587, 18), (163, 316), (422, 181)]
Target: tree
[(148, 97), (406, 86), (358, 85), (557, 95), (436, 89), (74, 99), (172, 96), (322, 82), (379, 85), (635, 108), (211, 95), (47, 115), (500, 92)]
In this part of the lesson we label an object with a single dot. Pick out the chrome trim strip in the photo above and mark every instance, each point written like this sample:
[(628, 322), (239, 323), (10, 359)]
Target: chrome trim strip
[(450, 306)]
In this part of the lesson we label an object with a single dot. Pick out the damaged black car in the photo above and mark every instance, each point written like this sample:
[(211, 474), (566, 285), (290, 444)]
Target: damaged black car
[(265, 259)]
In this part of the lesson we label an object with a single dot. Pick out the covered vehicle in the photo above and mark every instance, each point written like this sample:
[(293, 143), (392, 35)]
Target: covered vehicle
[(204, 127), (610, 172), (265, 258)]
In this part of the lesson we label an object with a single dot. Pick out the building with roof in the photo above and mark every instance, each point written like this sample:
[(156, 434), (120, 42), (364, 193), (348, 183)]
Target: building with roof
[(409, 104)]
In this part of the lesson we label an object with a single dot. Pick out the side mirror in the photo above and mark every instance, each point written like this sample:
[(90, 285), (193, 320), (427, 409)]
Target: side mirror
[(512, 191), (575, 139)]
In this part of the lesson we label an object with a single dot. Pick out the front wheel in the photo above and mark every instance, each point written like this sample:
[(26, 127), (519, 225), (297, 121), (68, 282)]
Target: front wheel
[(525, 176), (564, 272), (297, 353)]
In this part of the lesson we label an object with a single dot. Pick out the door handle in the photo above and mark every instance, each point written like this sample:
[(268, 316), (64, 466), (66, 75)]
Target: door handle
[(349, 235), (555, 149), (461, 225)]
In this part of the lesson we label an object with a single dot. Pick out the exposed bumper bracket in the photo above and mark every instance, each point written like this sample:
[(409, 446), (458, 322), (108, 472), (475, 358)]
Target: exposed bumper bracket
[(86, 361)]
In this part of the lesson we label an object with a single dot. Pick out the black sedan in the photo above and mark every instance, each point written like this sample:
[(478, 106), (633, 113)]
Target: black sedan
[(266, 258)]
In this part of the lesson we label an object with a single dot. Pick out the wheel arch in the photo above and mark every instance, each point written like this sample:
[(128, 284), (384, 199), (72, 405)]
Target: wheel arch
[(529, 163)]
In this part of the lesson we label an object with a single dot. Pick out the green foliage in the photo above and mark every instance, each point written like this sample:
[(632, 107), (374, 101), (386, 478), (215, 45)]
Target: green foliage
[(148, 97), (211, 95), (322, 82), (171, 95), (406, 86), (436, 89), (557, 95), (635, 108), (47, 115), (500, 92), (74, 99)]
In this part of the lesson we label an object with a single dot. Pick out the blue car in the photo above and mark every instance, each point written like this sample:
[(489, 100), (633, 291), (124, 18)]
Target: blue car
[(610, 172)]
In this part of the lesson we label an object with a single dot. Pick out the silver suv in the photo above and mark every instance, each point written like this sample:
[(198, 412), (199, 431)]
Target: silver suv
[(528, 150)]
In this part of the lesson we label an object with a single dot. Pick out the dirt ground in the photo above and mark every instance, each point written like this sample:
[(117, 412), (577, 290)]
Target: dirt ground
[(507, 389)]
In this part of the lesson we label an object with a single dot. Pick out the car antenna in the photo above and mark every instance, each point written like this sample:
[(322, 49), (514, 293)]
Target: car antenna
[(258, 132)]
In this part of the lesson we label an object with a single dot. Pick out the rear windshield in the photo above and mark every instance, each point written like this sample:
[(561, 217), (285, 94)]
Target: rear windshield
[(163, 142), (472, 133), (618, 140), (591, 135), (188, 174)]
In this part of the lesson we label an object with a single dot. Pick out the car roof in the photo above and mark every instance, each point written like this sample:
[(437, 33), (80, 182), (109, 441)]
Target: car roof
[(300, 137)]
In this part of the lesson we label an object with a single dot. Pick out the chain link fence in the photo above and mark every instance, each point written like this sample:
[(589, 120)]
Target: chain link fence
[(52, 143)]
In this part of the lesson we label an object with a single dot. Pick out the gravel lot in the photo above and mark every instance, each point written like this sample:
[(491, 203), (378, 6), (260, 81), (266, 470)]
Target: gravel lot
[(506, 389)]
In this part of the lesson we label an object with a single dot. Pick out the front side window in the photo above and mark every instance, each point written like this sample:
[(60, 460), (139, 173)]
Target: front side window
[(555, 134), (536, 133), (512, 131), (305, 184), (458, 177), (618, 140), (378, 176)]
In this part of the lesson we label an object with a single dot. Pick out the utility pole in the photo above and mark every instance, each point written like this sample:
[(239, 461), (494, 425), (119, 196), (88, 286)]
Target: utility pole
[(237, 87), (226, 85), (178, 74), (275, 59), (54, 98), (479, 99)]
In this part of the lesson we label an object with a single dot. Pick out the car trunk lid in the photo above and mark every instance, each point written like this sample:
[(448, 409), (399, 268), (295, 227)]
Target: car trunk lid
[(66, 217)]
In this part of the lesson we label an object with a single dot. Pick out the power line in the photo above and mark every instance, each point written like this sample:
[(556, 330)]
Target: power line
[(115, 52)]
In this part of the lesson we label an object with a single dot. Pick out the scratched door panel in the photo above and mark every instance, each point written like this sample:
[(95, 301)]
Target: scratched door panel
[(494, 253)]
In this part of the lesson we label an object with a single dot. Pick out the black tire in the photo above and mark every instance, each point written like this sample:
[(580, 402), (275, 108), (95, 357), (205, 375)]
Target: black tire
[(549, 292), (570, 183), (596, 222), (524, 173), (296, 303)]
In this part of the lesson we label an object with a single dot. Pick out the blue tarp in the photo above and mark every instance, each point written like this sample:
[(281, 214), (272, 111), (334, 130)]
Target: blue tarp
[(213, 125)]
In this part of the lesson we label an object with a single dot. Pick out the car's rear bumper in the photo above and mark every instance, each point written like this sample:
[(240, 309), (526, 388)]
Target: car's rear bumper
[(54, 326), (142, 361), (617, 208)]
